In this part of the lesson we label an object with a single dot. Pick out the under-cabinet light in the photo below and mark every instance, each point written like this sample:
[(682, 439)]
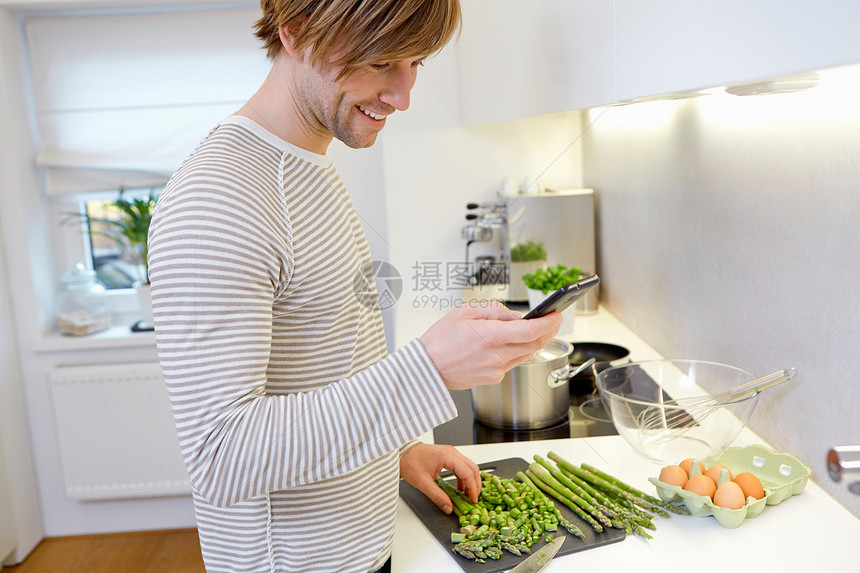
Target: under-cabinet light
[(781, 86)]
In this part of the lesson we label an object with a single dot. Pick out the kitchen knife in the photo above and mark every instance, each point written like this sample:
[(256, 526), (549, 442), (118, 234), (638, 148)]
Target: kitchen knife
[(539, 559)]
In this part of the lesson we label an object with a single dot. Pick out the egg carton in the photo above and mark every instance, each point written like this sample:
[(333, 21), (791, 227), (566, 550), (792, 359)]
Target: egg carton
[(782, 476)]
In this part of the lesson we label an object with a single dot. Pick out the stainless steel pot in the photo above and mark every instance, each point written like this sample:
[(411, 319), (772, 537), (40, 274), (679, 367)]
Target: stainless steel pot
[(533, 395)]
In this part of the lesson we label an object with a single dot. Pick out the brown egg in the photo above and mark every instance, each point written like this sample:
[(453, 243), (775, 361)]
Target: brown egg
[(673, 475), (714, 472), (750, 485), (688, 465), (729, 495), (702, 485)]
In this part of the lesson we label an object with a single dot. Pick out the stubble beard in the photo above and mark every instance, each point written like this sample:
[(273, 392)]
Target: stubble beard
[(330, 109), (344, 131)]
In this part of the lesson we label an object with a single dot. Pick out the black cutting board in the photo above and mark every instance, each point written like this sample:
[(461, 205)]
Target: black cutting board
[(442, 525)]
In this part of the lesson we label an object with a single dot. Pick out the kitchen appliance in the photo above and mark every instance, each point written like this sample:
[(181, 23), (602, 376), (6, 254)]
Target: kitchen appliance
[(486, 221), (562, 220), (532, 395)]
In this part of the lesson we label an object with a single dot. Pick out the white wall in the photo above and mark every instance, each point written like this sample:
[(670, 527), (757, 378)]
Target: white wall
[(729, 231), (433, 168), (16, 174)]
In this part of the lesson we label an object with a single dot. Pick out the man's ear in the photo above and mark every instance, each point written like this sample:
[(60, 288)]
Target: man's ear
[(288, 42)]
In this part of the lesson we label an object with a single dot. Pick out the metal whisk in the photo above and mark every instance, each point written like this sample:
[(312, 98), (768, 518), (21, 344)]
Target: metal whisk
[(687, 412)]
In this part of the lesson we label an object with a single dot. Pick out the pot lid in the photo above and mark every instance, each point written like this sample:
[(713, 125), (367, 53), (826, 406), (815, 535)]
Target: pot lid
[(555, 349)]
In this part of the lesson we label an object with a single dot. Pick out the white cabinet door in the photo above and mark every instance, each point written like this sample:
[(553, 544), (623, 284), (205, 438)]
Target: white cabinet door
[(522, 58), (666, 46)]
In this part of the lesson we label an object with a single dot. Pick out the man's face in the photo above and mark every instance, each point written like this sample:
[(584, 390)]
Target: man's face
[(353, 109)]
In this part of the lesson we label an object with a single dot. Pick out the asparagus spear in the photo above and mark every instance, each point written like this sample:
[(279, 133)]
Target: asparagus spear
[(588, 503), (461, 504), (625, 514), (608, 486), (649, 498), (674, 508), (563, 499), (644, 518), (570, 527)]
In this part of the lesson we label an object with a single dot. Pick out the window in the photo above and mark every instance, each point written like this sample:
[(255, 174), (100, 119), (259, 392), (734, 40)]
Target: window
[(109, 259), (103, 223), (118, 262), (121, 96)]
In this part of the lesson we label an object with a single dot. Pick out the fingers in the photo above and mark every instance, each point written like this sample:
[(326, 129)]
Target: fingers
[(489, 310), (516, 343), (477, 345), (539, 330), (434, 493), (468, 476), (421, 464)]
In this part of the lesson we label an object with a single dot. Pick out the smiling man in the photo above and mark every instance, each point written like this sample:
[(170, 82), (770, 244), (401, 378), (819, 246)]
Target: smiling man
[(336, 75), (294, 421)]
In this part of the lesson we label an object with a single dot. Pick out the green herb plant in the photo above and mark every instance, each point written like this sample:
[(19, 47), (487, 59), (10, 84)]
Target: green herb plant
[(528, 251), (129, 229), (552, 278)]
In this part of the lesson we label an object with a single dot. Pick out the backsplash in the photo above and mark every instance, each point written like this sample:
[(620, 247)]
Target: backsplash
[(729, 231)]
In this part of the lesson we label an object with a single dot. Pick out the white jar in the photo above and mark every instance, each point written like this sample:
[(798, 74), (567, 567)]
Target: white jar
[(82, 304)]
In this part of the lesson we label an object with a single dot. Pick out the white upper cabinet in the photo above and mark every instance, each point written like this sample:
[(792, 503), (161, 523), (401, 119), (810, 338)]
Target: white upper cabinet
[(522, 58), (669, 46)]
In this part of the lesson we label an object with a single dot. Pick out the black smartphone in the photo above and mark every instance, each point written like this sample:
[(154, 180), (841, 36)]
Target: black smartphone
[(564, 297)]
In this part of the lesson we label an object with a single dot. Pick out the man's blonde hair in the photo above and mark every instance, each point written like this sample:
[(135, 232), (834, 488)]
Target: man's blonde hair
[(362, 31)]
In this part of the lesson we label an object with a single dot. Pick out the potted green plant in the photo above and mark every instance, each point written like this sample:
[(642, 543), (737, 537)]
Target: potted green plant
[(126, 222), (526, 257), (548, 279)]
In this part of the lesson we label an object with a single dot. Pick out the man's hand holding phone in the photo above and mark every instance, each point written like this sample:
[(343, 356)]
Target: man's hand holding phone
[(476, 344), (564, 297)]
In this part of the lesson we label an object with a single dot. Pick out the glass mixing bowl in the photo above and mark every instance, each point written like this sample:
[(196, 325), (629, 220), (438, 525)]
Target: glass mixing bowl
[(664, 413)]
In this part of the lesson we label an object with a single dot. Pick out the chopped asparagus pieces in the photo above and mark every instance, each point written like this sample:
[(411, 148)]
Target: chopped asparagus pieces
[(513, 515)]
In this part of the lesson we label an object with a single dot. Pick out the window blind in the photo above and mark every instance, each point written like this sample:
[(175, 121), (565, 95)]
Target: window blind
[(122, 99)]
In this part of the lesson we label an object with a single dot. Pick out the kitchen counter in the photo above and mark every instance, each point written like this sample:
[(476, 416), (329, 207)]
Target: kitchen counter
[(810, 531), (805, 532)]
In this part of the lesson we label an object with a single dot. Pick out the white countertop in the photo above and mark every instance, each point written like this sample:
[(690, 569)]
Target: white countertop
[(806, 532), (810, 531)]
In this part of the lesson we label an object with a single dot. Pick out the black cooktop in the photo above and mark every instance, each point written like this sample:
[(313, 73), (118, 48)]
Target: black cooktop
[(586, 418)]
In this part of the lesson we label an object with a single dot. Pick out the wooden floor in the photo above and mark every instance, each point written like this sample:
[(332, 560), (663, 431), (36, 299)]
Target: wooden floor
[(173, 551)]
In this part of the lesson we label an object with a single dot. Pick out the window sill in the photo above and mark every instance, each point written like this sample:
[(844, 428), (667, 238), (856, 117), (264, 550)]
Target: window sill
[(114, 337)]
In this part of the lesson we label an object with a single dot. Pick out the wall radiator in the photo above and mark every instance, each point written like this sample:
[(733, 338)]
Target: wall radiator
[(115, 432)]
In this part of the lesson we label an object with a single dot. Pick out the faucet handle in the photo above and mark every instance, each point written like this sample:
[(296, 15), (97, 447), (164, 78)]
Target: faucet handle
[(844, 461)]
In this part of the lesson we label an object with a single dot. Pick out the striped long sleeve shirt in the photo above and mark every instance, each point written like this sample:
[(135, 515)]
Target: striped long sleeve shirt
[(291, 415)]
